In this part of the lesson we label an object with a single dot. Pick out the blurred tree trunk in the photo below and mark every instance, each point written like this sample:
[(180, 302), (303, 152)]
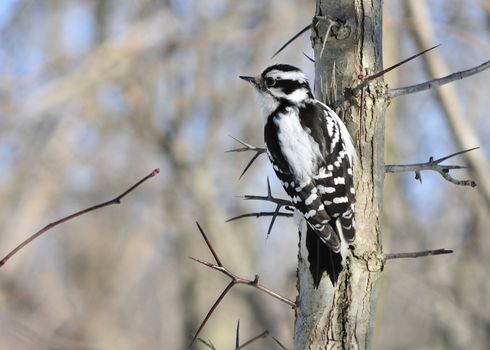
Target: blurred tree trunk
[(339, 318)]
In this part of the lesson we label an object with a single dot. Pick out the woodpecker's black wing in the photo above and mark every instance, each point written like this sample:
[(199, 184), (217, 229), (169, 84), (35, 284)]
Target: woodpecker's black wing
[(337, 184), (303, 193)]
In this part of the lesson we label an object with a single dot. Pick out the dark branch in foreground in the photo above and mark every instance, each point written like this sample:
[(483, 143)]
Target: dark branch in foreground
[(234, 281), (247, 148), (434, 165), (417, 254), (440, 81), (116, 200), (269, 198)]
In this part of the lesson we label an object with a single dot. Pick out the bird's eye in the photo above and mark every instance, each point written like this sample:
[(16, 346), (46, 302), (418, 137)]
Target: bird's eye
[(269, 82)]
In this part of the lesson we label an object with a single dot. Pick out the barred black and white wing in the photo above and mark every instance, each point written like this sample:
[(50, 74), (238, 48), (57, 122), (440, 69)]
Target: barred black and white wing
[(335, 175), (312, 155)]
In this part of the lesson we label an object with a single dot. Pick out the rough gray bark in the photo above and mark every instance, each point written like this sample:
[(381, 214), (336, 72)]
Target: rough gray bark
[(339, 318)]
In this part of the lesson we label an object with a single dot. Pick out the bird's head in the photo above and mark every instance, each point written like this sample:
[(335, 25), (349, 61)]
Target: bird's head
[(281, 83)]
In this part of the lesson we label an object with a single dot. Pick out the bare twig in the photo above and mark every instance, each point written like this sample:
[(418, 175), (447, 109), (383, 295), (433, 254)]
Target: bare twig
[(305, 29), (234, 281), (264, 334), (237, 336), (260, 214), (440, 81), (247, 148), (211, 249), (434, 165), (116, 200), (270, 198), (417, 254), (372, 77), (384, 71), (207, 343), (279, 343), (308, 57), (366, 80)]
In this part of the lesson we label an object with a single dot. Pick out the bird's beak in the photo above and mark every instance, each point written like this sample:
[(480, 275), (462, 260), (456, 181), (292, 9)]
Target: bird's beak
[(251, 80)]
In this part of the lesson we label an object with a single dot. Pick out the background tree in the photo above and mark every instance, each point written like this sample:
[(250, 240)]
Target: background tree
[(95, 93)]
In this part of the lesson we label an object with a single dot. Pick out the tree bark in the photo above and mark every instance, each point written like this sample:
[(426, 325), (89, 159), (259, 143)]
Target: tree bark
[(340, 317)]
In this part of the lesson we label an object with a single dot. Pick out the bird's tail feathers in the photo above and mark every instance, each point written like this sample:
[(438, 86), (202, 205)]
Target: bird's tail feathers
[(322, 258)]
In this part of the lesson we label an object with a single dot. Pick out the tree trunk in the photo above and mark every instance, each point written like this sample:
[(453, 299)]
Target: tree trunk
[(340, 317)]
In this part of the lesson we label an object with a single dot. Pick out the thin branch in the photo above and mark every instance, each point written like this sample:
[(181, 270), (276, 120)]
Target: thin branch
[(366, 80), (440, 81), (260, 214), (211, 249), (208, 315), (237, 336), (384, 71), (269, 198), (116, 200), (434, 165), (417, 254), (279, 343), (264, 334), (207, 343), (308, 57), (234, 281), (305, 29), (247, 148)]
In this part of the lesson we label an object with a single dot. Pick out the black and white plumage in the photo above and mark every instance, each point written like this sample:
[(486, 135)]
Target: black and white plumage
[(312, 155)]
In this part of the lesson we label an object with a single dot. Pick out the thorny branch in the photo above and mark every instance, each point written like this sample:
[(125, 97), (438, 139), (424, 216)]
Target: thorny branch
[(259, 214), (234, 281), (305, 29), (116, 200), (439, 81), (268, 198), (247, 148), (264, 334), (207, 343), (434, 165), (331, 22), (417, 254)]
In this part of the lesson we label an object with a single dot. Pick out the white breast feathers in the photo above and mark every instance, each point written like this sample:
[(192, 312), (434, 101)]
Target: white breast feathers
[(298, 147)]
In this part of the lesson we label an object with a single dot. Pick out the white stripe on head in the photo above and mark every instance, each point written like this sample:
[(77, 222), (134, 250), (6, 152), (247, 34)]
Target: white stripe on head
[(291, 75)]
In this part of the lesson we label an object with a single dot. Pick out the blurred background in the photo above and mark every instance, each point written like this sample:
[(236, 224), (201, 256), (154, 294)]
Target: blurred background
[(95, 94)]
